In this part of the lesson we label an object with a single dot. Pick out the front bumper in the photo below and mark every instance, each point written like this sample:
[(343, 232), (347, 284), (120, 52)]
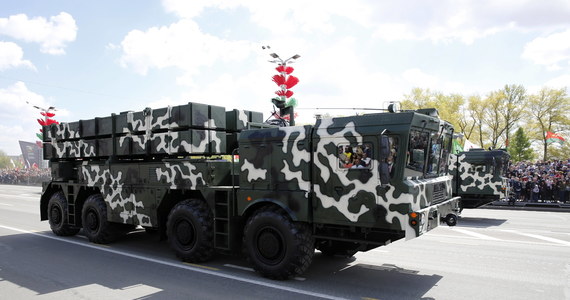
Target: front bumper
[(424, 220)]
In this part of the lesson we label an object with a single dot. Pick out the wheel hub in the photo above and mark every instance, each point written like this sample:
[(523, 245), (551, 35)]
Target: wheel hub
[(55, 215), (185, 233), (270, 244), (92, 221)]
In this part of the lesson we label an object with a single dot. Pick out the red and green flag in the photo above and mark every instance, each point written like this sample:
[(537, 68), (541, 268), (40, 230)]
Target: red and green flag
[(554, 138)]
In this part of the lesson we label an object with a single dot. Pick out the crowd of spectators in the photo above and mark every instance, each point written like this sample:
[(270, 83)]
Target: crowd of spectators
[(29, 176), (543, 181), (355, 157)]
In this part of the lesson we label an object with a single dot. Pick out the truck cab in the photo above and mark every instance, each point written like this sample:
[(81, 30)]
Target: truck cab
[(480, 176), (362, 181)]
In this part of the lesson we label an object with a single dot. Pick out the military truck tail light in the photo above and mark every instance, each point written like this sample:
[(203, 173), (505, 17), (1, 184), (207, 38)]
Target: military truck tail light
[(414, 218)]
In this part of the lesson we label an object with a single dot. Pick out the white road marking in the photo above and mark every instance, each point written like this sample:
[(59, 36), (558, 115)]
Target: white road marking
[(5, 204), (239, 267), (456, 237), (475, 234), (540, 237), (180, 265), (252, 270)]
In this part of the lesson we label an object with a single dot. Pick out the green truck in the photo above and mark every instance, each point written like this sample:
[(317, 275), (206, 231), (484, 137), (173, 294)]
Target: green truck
[(211, 180), (480, 176)]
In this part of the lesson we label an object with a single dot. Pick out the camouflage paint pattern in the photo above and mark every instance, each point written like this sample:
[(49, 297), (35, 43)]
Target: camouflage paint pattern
[(479, 174), (296, 168), (281, 159)]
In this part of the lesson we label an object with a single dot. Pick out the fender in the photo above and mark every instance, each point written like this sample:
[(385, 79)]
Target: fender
[(253, 205)]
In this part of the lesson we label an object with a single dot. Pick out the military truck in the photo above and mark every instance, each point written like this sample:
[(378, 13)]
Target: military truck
[(211, 180), (480, 176)]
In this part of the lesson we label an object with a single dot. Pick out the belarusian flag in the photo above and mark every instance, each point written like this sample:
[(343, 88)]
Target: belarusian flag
[(553, 137)]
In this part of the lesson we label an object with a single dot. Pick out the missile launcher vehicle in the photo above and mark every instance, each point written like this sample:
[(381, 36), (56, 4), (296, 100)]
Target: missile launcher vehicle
[(211, 180)]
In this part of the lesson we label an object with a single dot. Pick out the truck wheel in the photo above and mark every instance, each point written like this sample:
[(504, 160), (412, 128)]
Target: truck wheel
[(451, 220), (95, 225), (277, 247), (337, 248), (57, 216), (190, 230)]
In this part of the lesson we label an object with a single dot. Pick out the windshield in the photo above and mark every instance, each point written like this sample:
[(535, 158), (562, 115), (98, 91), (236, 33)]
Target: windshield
[(428, 153), (502, 165), (416, 154)]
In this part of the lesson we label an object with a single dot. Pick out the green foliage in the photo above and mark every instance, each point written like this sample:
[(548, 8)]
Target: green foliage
[(559, 152), (519, 147), (4, 160), (549, 112), (448, 106), (489, 121)]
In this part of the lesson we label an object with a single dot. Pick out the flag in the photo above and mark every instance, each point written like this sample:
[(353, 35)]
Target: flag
[(554, 138), (456, 148)]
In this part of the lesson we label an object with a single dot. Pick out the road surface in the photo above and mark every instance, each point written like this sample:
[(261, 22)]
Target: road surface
[(491, 254)]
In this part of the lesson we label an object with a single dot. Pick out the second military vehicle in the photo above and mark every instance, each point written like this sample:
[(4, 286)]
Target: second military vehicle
[(480, 176)]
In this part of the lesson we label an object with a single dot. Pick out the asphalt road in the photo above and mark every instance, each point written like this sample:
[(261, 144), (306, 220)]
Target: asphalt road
[(491, 254)]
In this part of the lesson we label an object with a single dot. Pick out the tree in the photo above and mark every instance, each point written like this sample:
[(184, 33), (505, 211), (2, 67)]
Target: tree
[(519, 147), (561, 152), (475, 109), (448, 106), (549, 112), (492, 118), (513, 105), (4, 160)]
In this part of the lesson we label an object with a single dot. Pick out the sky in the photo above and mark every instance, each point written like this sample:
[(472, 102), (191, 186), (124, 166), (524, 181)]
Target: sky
[(93, 58)]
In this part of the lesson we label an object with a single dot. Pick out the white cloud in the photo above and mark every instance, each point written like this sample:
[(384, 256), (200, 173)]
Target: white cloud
[(53, 34), (464, 21), (418, 78), (181, 45), (562, 81), (291, 17), (11, 56), (333, 72), (438, 21), (17, 118), (549, 50)]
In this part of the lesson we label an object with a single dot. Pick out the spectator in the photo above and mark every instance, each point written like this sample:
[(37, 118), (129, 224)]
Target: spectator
[(551, 177), (30, 176)]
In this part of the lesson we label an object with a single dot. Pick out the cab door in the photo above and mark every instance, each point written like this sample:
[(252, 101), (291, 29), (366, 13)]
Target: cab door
[(345, 177)]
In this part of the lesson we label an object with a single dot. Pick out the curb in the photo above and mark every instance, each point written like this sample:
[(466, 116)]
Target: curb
[(551, 207)]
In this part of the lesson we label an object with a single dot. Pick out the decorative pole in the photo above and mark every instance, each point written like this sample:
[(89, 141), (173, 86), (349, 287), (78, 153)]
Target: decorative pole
[(285, 81), (46, 121)]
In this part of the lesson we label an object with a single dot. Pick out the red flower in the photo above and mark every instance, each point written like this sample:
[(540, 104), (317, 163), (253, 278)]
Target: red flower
[(279, 79), (283, 69), (286, 93), (47, 114), (291, 81), (47, 122)]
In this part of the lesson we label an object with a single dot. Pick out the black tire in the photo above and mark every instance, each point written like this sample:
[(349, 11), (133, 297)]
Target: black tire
[(96, 227), (451, 220), (277, 247), (190, 231), (57, 216), (337, 248)]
